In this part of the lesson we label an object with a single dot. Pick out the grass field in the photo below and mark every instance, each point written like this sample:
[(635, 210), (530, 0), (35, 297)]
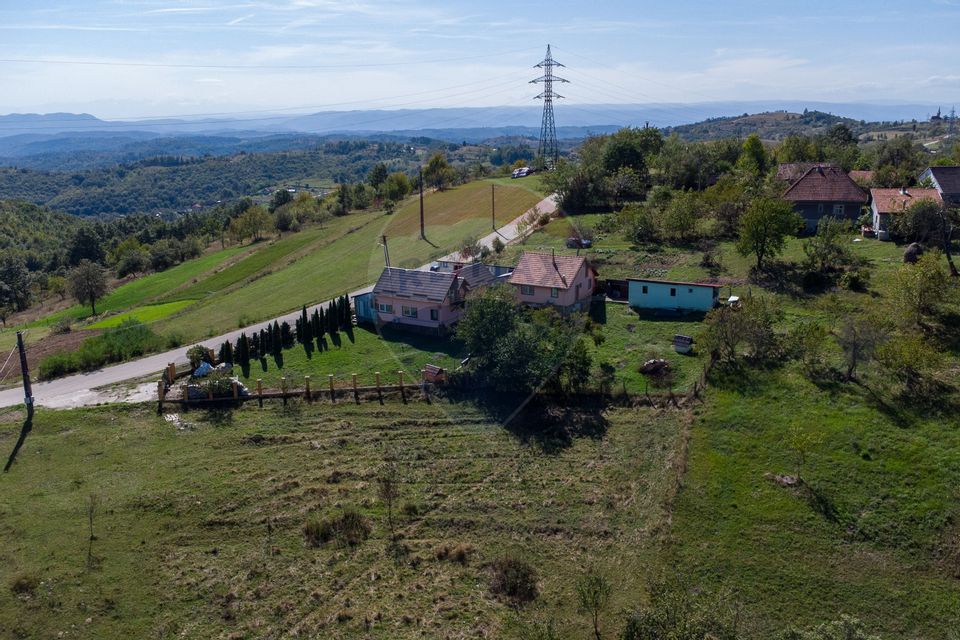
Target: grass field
[(875, 536), (347, 257), (149, 288), (225, 289), (147, 313), (205, 540)]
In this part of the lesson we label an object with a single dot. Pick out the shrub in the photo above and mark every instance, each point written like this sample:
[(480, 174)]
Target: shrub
[(459, 553), (348, 529), (197, 354), (498, 245), (61, 326), (130, 339), (514, 579), (23, 584), (855, 279)]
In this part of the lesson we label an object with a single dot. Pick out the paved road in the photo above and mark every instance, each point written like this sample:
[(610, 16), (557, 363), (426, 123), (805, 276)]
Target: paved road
[(84, 389)]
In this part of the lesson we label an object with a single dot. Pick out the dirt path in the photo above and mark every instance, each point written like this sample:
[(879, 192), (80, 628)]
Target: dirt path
[(92, 388)]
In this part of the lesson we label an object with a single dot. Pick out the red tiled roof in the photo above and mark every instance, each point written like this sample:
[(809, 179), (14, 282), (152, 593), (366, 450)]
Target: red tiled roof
[(547, 270), (894, 201), (826, 184)]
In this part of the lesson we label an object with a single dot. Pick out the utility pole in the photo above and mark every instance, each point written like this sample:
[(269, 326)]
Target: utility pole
[(423, 235), (386, 253), (27, 400), (493, 207), (548, 152)]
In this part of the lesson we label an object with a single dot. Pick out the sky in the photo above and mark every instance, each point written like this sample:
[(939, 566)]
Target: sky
[(133, 59)]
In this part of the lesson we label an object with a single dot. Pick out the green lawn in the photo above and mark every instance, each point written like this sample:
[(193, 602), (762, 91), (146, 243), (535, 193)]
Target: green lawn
[(198, 531), (365, 353), (875, 537), (147, 314), (149, 288)]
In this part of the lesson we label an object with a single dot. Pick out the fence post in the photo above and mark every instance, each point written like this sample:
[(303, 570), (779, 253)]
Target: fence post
[(210, 392), (235, 389), (171, 372), (161, 388), (330, 379), (379, 393), (260, 392), (403, 396), (283, 389), (356, 395), (306, 382)]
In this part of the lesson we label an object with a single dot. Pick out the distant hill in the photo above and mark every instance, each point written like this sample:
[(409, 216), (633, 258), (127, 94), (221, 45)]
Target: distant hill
[(774, 125)]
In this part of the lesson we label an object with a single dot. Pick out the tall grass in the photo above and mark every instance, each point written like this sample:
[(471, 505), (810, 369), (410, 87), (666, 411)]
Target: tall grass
[(130, 339)]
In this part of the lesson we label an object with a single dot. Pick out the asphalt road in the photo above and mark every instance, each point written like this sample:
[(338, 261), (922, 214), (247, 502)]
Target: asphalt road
[(85, 389)]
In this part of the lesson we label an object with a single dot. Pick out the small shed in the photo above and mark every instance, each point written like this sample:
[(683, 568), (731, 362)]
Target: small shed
[(666, 295), (433, 373)]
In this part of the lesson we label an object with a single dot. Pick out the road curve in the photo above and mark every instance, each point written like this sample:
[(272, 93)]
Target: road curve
[(81, 389)]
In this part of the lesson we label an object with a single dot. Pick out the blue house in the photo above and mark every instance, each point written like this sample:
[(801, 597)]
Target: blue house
[(663, 295)]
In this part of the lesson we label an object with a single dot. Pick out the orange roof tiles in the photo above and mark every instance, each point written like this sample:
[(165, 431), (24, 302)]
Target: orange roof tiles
[(897, 201), (547, 270)]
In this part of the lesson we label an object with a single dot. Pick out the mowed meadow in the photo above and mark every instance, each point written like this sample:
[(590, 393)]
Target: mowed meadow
[(238, 285), (199, 518)]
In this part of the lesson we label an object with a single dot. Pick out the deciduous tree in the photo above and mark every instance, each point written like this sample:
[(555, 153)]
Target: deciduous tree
[(764, 228), (87, 283)]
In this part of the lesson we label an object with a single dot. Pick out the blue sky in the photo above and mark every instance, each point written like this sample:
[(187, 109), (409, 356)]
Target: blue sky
[(139, 58)]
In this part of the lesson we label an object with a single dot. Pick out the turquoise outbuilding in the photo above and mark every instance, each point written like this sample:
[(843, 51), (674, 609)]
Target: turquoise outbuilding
[(664, 295)]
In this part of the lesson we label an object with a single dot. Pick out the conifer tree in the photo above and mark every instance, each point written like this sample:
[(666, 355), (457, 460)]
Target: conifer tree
[(243, 351), (286, 336), (315, 322), (347, 313)]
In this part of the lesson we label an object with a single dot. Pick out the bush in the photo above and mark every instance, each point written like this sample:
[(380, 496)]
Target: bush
[(855, 279), (348, 529), (459, 553), (514, 579), (130, 339), (23, 584), (61, 326), (498, 245)]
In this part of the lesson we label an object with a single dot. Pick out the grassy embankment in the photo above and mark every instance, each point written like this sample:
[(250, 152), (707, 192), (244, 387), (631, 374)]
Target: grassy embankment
[(225, 289), (206, 539)]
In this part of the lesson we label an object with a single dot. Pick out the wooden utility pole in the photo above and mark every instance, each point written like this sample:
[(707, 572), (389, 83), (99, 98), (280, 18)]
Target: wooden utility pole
[(27, 400), (386, 253), (493, 207), (423, 235)]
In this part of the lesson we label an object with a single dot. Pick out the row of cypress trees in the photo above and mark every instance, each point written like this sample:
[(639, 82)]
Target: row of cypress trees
[(274, 338)]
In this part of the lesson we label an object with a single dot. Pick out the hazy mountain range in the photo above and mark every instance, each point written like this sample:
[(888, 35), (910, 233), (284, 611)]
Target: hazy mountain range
[(68, 141)]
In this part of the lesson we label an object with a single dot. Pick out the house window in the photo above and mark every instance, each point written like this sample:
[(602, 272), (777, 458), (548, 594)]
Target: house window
[(673, 292), (838, 210), (409, 312), (820, 208), (526, 290), (384, 308), (644, 290), (434, 314), (554, 292)]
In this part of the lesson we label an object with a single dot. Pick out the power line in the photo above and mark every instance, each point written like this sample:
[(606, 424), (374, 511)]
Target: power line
[(247, 67), (482, 87)]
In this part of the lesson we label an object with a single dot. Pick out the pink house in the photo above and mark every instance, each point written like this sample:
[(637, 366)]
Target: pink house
[(566, 282), (424, 301)]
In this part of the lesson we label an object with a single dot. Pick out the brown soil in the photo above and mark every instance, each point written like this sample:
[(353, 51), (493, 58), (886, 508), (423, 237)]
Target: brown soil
[(53, 343)]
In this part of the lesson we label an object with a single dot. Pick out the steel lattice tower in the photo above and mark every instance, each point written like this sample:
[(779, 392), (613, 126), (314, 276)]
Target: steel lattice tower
[(548, 152)]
